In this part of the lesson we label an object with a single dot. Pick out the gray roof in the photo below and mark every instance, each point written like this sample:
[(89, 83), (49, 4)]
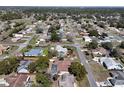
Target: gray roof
[(110, 62), (53, 69), (117, 82), (23, 65), (118, 78), (66, 80)]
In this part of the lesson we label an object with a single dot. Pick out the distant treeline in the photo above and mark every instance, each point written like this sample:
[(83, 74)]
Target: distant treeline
[(19, 12), (75, 10), (70, 10)]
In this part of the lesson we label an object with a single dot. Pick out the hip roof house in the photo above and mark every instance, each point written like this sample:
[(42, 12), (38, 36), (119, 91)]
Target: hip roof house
[(110, 64)]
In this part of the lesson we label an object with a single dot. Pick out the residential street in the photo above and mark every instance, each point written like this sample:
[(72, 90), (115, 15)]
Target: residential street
[(87, 67)]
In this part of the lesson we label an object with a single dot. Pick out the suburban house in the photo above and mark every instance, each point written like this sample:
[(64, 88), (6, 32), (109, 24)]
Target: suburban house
[(18, 54), (87, 39), (84, 33), (66, 80), (2, 49), (110, 64), (15, 39), (23, 67), (60, 67), (34, 52), (99, 51), (116, 79), (17, 35), (61, 51)]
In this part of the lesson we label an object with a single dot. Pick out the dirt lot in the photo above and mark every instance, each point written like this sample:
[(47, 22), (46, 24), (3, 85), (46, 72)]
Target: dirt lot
[(100, 73)]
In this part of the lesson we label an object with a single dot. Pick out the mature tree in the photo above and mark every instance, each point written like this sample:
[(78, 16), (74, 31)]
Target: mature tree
[(122, 44), (8, 66), (69, 38), (14, 63), (77, 70), (101, 24), (55, 77), (43, 80), (115, 53), (54, 36), (4, 68), (93, 33), (39, 30), (104, 35), (42, 64), (29, 46), (93, 45), (107, 45), (32, 67)]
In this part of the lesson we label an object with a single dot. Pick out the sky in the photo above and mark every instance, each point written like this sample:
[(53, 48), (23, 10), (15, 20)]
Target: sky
[(61, 2)]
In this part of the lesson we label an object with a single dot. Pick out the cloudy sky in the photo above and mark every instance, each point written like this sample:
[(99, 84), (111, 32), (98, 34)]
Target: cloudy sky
[(61, 2)]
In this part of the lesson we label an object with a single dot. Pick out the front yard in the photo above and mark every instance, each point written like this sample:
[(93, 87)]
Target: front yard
[(100, 73), (83, 83)]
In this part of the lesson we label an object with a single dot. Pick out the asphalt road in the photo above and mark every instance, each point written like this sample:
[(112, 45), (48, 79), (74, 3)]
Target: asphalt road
[(87, 67), (83, 61)]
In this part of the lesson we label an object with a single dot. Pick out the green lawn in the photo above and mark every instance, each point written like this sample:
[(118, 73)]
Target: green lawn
[(33, 40), (21, 41), (29, 34), (45, 51), (83, 83), (24, 50)]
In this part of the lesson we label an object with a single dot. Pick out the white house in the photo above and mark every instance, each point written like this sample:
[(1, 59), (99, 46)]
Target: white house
[(110, 64), (15, 39), (18, 35), (61, 50), (87, 39)]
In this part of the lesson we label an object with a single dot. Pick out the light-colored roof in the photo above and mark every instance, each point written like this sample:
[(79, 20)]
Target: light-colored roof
[(110, 62), (116, 82), (61, 49), (66, 80), (23, 68)]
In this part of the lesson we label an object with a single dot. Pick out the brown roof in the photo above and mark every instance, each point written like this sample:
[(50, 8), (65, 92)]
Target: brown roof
[(63, 65), (121, 50), (17, 80), (101, 50), (2, 47), (84, 33)]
